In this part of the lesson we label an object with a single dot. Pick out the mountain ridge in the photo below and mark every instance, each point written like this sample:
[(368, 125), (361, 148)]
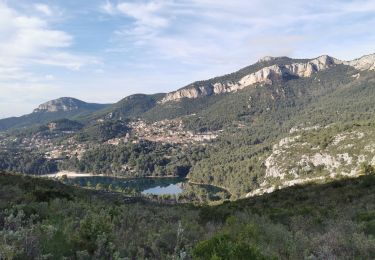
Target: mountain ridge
[(265, 71), (268, 75)]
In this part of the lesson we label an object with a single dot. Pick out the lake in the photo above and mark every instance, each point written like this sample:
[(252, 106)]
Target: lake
[(153, 186)]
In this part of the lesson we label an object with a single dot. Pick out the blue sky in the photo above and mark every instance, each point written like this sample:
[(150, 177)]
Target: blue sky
[(104, 50)]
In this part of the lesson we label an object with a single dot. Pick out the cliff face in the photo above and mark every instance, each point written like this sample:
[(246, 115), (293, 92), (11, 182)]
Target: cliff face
[(364, 63), (266, 75)]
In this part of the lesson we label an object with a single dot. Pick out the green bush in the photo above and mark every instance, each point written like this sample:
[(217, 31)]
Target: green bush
[(224, 248)]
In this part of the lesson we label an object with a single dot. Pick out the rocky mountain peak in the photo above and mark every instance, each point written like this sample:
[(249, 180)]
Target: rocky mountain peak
[(325, 60), (63, 104)]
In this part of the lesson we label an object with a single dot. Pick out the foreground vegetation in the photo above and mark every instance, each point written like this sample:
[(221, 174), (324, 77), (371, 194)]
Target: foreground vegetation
[(46, 219)]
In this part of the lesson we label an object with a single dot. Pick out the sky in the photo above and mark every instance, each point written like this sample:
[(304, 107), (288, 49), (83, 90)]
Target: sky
[(103, 50)]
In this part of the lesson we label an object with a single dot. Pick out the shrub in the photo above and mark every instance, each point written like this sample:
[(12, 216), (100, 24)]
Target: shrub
[(223, 247)]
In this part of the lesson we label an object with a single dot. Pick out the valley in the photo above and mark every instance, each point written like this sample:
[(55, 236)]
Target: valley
[(279, 169), (295, 122), (187, 130)]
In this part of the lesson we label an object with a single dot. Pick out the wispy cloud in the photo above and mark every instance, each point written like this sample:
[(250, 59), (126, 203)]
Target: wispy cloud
[(145, 14), (44, 9), (65, 59), (146, 18), (223, 31), (28, 41), (108, 8)]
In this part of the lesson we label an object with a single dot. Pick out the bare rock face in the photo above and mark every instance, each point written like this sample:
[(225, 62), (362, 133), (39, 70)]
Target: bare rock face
[(311, 67), (266, 58), (191, 92), (269, 75), (266, 75), (58, 105), (364, 63)]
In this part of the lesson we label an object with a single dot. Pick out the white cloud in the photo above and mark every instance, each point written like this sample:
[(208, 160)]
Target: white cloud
[(108, 8), (145, 14), (28, 39), (148, 18), (239, 31), (67, 60), (44, 9), (28, 49)]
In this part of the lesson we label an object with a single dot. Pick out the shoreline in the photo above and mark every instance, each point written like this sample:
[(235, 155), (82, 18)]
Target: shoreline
[(72, 175), (220, 187), (69, 174)]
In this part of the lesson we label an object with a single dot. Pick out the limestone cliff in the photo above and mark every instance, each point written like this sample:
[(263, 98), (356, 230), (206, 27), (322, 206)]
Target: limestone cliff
[(66, 104), (366, 62), (269, 75), (266, 75)]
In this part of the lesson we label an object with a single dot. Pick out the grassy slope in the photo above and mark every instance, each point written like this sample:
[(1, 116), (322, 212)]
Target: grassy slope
[(45, 218)]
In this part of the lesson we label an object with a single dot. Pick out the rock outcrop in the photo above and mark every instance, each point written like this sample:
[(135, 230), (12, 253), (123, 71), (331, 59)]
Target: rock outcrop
[(267, 58), (64, 104), (266, 75), (366, 62), (269, 75), (299, 159)]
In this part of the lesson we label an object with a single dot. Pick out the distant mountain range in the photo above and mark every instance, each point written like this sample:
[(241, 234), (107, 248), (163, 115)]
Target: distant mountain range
[(275, 123), (267, 71), (270, 77)]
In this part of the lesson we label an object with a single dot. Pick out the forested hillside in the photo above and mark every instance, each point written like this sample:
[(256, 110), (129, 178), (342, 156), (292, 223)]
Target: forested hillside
[(46, 219)]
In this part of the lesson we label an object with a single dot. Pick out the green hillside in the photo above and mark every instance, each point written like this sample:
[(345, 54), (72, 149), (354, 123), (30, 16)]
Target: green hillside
[(46, 219), (82, 109), (129, 107)]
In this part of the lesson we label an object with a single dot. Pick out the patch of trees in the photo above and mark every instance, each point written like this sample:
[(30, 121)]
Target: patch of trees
[(66, 125), (103, 131), (138, 159), (26, 162)]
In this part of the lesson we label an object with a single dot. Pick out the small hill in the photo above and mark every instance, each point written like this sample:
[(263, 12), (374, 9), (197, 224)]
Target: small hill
[(129, 107)]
